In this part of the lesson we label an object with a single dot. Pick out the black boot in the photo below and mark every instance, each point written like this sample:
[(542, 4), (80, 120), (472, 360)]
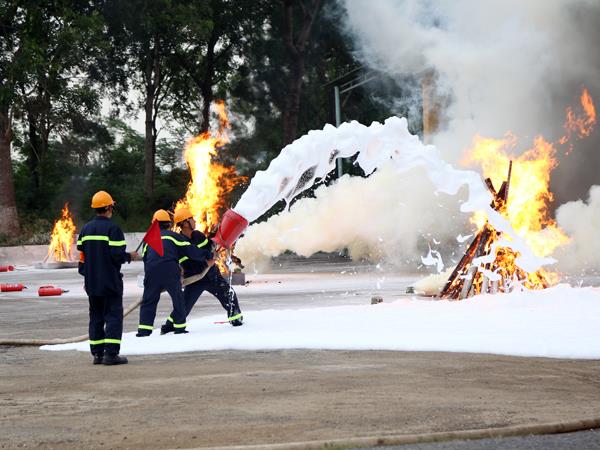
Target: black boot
[(113, 359), (98, 358), (235, 318), (181, 331), (143, 333), (167, 328)]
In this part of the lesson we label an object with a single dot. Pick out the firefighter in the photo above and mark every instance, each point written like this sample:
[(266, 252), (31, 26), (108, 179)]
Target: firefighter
[(162, 273), (102, 246), (212, 282)]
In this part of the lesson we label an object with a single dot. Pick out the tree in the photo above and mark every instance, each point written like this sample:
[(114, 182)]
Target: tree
[(145, 36), (299, 16), (262, 93), (213, 58), (9, 60), (56, 46)]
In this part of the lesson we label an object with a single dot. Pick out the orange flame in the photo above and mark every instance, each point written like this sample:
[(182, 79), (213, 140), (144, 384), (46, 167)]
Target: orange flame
[(61, 240), (529, 194), (579, 124), (211, 182)]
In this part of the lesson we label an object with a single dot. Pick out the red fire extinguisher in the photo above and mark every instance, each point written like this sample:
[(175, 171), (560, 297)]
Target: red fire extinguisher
[(47, 291), (14, 287), (7, 268)]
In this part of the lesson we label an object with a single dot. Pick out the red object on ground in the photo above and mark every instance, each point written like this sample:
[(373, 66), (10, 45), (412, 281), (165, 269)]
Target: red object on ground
[(231, 227), (153, 238), (14, 287), (6, 268), (47, 291)]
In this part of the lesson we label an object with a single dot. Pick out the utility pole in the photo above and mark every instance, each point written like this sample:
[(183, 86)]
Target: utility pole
[(338, 122), (340, 89)]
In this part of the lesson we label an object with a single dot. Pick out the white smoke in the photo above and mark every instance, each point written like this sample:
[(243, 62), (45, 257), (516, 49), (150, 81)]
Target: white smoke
[(581, 221), (500, 63)]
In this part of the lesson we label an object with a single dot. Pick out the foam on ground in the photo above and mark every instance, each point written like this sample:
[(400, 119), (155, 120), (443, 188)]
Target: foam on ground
[(561, 322)]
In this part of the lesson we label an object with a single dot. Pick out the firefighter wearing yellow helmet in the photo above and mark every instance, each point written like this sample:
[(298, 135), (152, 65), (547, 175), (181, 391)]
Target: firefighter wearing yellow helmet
[(162, 273), (103, 246), (212, 282)]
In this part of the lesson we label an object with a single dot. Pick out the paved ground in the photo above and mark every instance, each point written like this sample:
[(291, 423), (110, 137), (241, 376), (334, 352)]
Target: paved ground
[(583, 440), (59, 400)]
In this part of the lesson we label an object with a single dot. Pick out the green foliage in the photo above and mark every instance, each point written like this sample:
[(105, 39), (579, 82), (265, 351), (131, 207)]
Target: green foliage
[(59, 59)]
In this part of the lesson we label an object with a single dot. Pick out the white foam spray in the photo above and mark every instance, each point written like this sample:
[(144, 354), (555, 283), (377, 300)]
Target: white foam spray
[(313, 155)]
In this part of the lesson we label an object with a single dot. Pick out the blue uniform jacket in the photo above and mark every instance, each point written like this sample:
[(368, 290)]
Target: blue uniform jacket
[(177, 249), (192, 267), (103, 245)]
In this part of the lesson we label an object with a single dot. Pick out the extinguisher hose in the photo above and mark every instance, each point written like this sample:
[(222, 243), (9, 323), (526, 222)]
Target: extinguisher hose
[(83, 337)]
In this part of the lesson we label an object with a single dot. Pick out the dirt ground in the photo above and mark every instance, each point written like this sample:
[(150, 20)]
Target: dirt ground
[(60, 400)]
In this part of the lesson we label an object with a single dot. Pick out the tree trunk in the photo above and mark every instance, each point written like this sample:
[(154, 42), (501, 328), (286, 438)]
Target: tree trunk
[(149, 152), (9, 219), (207, 83), (296, 46), (292, 109), (152, 80)]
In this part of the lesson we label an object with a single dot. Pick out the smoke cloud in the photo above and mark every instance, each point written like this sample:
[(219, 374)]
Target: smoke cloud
[(499, 65), (390, 217), (581, 221)]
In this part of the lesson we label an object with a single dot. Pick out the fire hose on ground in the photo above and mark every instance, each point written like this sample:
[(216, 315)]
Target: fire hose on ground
[(35, 342), (406, 439)]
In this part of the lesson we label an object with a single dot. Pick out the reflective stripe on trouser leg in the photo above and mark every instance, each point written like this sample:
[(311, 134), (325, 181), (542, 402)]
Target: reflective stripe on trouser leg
[(174, 324), (114, 324), (226, 296), (152, 289), (96, 324), (174, 289)]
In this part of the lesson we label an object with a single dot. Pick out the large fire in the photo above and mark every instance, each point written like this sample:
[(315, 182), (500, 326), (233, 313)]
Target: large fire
[(529, 196), (61, 240), (211, 181)]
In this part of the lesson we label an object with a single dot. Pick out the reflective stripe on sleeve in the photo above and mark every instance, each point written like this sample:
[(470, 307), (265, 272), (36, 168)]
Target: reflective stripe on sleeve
[(185, 258), (175, 241), (202, 244), (117, 243)]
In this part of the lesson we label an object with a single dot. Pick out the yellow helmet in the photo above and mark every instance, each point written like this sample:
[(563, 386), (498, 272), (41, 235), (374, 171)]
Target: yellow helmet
[(102, 199), (182, 214), (161, 216)]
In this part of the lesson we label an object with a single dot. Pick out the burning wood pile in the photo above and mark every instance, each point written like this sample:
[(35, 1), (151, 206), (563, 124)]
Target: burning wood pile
[(485, 268), (490, 264)]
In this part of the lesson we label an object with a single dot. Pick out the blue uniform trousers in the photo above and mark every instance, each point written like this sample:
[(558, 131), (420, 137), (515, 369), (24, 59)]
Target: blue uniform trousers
[(163, 277), (106, 323)]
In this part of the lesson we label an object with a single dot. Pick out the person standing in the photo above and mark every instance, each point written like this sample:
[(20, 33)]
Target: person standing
[(212, 282), (162, 273), (102, 246)]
